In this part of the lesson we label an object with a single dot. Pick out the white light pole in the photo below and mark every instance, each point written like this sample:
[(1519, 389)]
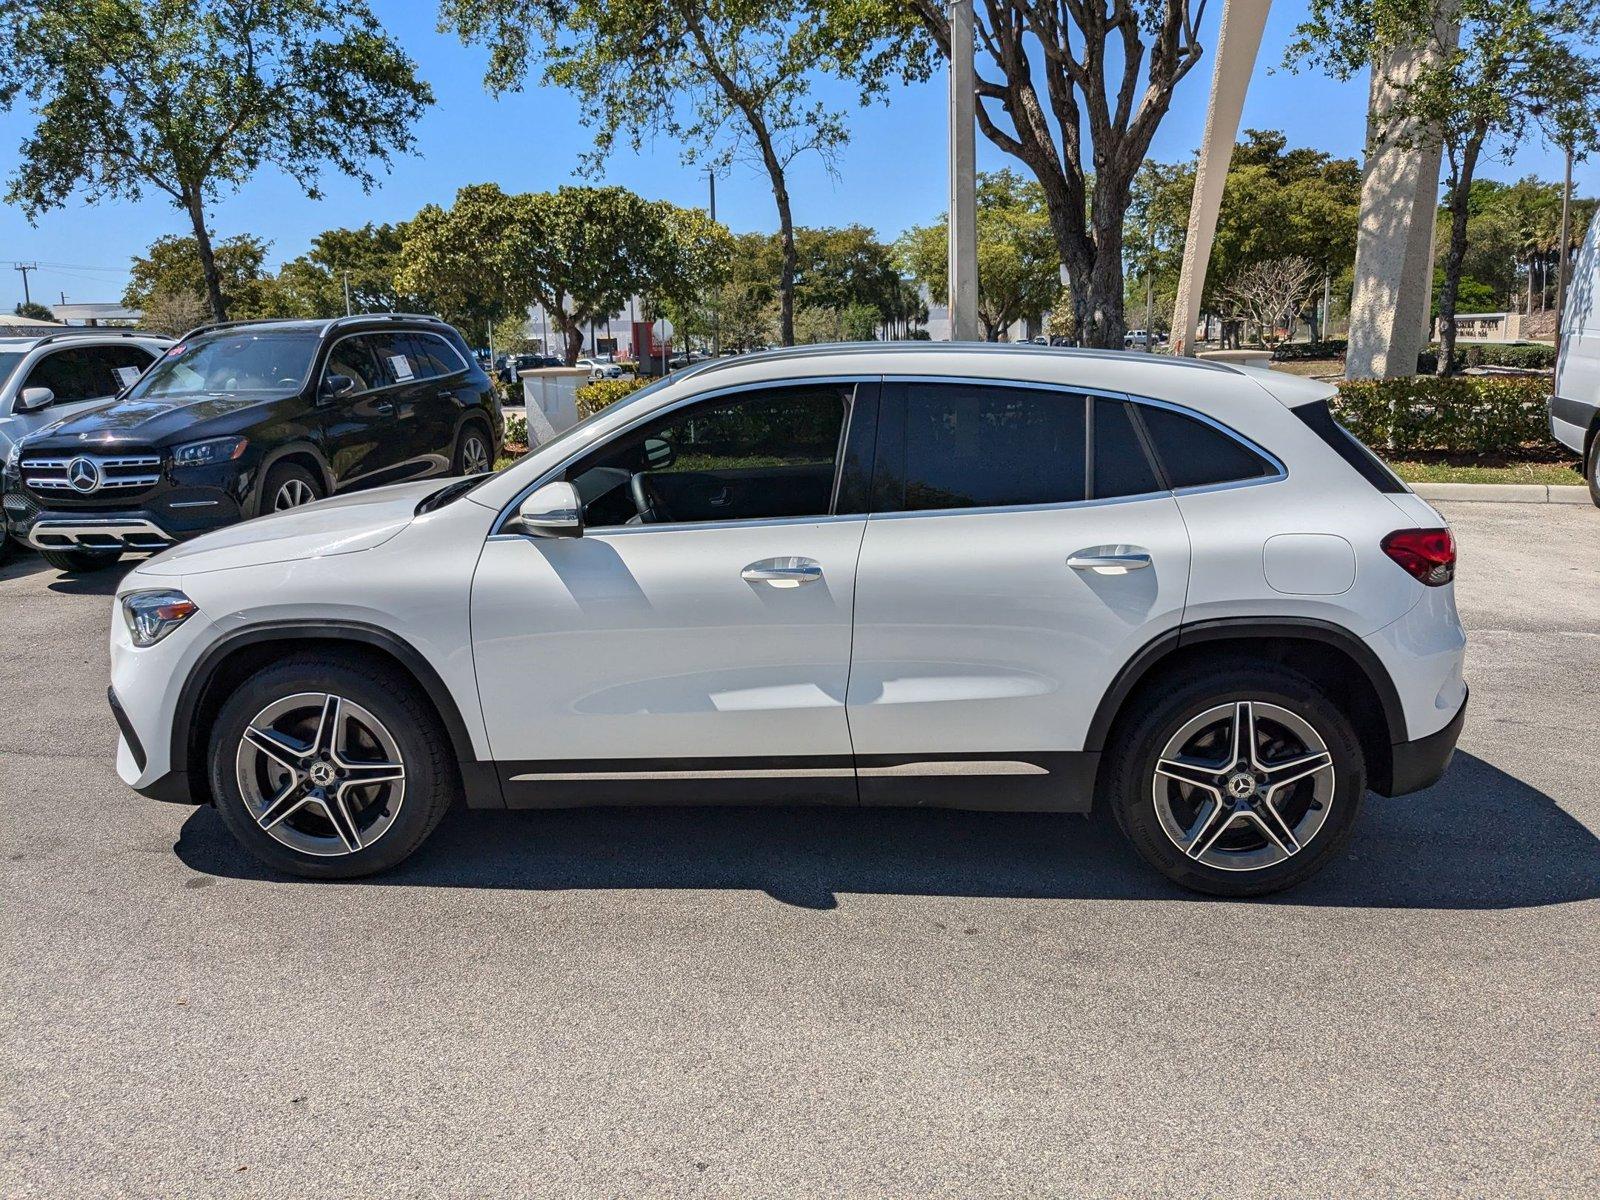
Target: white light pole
[(963, 267)]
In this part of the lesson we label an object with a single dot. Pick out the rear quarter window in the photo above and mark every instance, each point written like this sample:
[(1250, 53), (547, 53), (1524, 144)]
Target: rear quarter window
[(1193, 453)]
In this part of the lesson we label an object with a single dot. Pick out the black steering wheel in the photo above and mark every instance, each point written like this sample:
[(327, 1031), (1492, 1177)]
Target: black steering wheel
[(639, 488)]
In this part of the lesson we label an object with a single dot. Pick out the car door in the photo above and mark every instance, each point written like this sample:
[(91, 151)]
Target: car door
[(357, 425), (1021, 548), (448, 395), (694, 643), (411, 445)]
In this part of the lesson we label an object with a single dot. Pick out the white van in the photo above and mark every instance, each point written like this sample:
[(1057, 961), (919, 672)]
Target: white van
[(1575, 405)]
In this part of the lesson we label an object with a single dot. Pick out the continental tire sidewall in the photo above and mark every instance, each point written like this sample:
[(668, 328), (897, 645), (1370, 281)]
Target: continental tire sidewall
[(1142, 740)]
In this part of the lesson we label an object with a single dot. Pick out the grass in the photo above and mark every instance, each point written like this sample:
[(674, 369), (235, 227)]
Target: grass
[(1459, 469), (1311, 367)]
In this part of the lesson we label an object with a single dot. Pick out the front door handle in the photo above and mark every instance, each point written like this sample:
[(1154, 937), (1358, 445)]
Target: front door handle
[(1110, 560), (786, 572)]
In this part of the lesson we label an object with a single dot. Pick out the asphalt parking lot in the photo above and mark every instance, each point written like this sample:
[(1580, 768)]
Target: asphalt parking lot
[(743, 1002)]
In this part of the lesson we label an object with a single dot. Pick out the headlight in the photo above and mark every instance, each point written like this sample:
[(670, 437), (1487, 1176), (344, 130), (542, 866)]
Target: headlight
[(212, 450), (153, 615)]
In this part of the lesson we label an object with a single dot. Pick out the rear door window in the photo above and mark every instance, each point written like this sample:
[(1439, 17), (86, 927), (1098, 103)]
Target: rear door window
[(978, 445), (434, 355)]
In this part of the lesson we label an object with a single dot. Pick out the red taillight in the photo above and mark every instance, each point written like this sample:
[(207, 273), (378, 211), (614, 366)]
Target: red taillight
[(1428, 555)]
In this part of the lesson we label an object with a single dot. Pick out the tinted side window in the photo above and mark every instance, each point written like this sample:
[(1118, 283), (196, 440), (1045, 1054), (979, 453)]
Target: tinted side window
[(1121, 466), (767, 453), (397, 358), (88, 372), (434, 355), (353, 357), (979, 446), (1194, 454)]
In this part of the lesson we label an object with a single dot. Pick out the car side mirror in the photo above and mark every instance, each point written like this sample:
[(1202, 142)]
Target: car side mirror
[(33, 399), (337, 385), (555, 510)]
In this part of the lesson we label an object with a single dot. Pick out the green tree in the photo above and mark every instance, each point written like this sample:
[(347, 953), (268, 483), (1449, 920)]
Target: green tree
[(1107, 70), (191, 97), (172, 266), (1019, 275), (1520, 68), (33, 310), (579, 253), (367, 259), (726, 80)]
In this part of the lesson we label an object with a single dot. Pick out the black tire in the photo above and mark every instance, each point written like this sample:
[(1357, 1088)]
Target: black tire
[(77, 562), (432, 781), (285, 479), (1163, 714), (5, 546), (472, 433), (1592, 474)]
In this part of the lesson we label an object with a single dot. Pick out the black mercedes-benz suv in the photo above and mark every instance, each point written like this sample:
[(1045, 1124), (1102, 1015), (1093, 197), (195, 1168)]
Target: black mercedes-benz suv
[(249, 417)]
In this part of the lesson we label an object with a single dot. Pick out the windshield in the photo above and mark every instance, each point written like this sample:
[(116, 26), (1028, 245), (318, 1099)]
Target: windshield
[(231, 362)]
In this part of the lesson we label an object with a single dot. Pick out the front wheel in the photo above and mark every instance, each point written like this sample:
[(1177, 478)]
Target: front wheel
[(330, 766), (289, 485), (473, 455), (76, 562), (1239, 783)]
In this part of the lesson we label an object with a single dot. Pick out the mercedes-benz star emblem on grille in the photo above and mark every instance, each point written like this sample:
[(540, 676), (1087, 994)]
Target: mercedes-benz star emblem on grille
[(83, 474)]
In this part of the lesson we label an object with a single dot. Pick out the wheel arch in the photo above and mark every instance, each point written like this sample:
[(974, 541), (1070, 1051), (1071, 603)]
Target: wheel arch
[(238, 655), (1331, 656), (299, 453)]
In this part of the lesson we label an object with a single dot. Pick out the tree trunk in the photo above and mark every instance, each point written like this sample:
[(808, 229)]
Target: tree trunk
[(780, 193), (1455, 255), (208, 260)]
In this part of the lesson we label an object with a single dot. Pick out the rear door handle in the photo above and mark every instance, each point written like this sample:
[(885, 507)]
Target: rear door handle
[(787, 572), (1110, 560)]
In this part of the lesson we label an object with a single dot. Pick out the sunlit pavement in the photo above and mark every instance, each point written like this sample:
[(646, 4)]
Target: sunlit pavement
[(816, 1002)]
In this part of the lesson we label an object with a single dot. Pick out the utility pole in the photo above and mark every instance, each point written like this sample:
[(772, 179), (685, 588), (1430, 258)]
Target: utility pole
[(1561, 254), (716, 305), (963, 266), (347, 292), (25, 268)]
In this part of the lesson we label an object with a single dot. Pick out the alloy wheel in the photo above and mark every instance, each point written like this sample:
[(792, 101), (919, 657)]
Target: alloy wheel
[(320, 774), (1243, 786), (292, 494), (474, 456)]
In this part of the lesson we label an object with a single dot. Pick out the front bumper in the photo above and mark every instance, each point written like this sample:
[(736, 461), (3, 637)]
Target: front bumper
[(1420, 764)]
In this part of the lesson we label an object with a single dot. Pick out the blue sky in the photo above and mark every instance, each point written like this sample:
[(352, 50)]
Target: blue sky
[(892, 174)]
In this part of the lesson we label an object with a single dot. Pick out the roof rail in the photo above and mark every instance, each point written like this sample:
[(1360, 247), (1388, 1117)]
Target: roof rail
[(824, 349), (390, 316), (84, 330)]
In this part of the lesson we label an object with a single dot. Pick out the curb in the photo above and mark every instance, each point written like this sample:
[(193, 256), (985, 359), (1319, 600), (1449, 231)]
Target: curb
[(1504, 493)]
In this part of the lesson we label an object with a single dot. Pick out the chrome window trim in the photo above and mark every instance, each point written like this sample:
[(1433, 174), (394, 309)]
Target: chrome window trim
[(509, 510), (372, 391)]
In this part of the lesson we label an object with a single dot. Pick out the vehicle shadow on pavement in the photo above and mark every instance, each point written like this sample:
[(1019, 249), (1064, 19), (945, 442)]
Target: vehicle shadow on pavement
[(1479, 840)]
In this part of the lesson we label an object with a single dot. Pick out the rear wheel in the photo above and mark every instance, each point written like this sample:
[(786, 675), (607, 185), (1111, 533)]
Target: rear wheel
[(330, 767), (1240, 783), (473, 454), (79, 561), (1593, 472), (289, 486)]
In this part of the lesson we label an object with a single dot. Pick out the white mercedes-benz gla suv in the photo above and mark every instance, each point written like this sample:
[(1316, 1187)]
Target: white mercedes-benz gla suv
[(942, 575)]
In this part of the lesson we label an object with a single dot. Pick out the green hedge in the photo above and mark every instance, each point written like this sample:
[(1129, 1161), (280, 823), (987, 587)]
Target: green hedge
[(1530, 356), (603, 393), (1300, 351), (1461, 414)]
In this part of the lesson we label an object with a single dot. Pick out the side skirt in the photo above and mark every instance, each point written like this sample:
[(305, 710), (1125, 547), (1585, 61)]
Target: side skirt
[(1029, 782)]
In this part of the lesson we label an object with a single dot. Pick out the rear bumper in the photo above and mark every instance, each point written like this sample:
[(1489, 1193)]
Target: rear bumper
[(1570, 421), (1420, 764)]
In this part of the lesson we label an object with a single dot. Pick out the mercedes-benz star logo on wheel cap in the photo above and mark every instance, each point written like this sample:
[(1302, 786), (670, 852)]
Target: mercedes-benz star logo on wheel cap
[(83, 475)]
